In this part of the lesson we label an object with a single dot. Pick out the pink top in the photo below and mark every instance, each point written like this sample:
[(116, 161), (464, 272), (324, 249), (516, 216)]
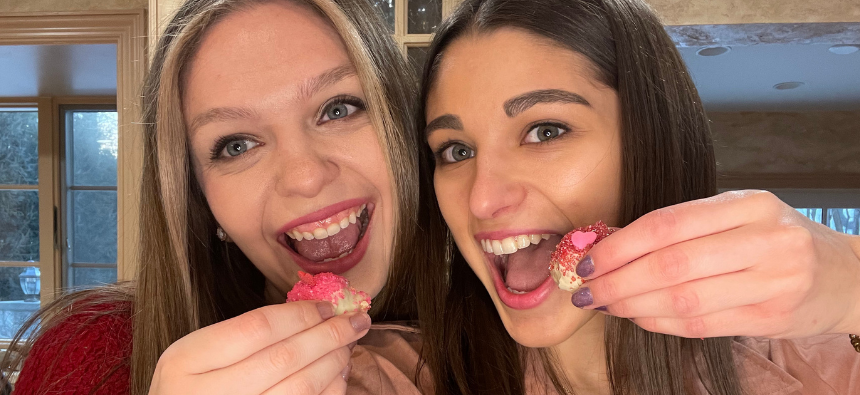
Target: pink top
[(88, 354)]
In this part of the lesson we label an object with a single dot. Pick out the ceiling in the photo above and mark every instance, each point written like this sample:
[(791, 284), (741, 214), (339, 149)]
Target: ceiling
[(58, 70), (743, 79)]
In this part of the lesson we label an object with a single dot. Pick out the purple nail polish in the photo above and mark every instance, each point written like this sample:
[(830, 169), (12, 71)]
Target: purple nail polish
[(585, 267), (582, 297), (602, 308)]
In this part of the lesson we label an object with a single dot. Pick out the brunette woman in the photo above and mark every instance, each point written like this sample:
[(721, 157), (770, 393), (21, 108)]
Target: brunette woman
[(548, 115)]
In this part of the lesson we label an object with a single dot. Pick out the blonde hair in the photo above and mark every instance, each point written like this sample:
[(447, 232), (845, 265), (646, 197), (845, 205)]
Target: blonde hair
[(188, 279)]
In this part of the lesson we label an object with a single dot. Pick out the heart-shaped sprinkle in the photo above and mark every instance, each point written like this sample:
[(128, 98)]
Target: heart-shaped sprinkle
[(580, 240)]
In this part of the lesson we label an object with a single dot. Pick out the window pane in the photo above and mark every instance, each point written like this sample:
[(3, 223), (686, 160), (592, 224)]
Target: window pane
[(845, 220), (14, 306), (93, 147), (91, 277), (417, 56), (424, 16), (811, 213), (93, 226), (19, 226), (386, 9), (19, 145)]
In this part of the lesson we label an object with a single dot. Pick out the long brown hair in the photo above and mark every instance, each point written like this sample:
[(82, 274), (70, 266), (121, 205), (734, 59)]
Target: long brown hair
[(667, 159), (187, 277)]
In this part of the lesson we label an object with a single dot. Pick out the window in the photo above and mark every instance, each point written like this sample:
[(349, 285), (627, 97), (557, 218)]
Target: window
[(19, 215), (58, 201), (837, 208), (413, 22), (89, 204)]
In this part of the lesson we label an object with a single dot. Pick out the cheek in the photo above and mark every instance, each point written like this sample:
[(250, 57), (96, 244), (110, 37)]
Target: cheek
[(452, 194)]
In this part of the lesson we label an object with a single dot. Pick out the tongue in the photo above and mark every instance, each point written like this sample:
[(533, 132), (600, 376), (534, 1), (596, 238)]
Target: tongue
[(528, 268), (330, 247)]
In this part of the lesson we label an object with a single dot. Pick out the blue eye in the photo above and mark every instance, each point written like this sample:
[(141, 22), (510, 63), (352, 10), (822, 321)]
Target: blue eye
[(541, 133), (338, 111), (457, 153), (231, 148)]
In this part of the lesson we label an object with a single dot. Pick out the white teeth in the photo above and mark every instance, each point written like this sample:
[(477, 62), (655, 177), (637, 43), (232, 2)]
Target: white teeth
[(333, 229), (515, 292), (497, 247), (509, 246), (512, 244), (523, 241), (320, 233), (330, 230)]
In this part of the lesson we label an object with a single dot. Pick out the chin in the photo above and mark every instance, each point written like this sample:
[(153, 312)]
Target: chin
[(549, 324)]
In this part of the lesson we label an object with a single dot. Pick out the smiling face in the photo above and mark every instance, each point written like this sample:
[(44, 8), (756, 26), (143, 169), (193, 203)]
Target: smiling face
[(528, 148), (284, 150)]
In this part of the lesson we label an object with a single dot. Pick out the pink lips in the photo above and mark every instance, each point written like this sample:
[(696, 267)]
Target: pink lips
[(337, 266), (524, 301)]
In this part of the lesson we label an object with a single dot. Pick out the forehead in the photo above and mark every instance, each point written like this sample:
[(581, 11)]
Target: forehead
[(503, 63), (261, 49)]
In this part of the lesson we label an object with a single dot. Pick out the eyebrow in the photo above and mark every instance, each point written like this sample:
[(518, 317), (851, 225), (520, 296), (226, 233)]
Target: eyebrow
[(326, 79), (517, 105), (447, 121), (308, 88)]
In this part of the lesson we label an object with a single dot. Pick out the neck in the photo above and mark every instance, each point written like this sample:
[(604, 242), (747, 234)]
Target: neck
[(582, 358), (273, 295)]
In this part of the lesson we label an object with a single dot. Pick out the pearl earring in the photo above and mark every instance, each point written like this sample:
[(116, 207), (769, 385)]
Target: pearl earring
[(221, 234)]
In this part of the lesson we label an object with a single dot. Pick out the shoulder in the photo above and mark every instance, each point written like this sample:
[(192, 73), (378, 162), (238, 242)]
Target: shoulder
[(388, 361), (88, 349), (825, 364)]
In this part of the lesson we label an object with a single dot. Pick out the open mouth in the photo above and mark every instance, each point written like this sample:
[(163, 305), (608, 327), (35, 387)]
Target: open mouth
[(335, 243), (520, 267)]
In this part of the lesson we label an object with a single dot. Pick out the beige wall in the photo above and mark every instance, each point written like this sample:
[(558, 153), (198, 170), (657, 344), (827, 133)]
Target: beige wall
[(673, 12), (70, 5), (787, 143), (715, 12)]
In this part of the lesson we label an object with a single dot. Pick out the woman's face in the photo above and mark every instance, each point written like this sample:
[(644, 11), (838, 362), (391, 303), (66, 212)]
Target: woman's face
[(528, 143), (284, 149)]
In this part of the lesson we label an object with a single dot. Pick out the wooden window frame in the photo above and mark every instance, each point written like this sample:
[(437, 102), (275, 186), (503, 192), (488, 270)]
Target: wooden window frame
[(127, 30)]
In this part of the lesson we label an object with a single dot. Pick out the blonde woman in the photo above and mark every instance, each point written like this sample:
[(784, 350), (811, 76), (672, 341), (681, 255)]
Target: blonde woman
[(265, 121)]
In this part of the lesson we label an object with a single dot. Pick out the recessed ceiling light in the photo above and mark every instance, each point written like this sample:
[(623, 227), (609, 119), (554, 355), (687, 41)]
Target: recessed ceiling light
[(784, 86), (845, 49), (713, 51)]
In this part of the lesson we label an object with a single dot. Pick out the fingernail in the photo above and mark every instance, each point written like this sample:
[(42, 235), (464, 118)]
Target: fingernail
[(582, 297), (351, 345), (585, 267), (602, 308), (360, 322), (345, 372), (326, 310)]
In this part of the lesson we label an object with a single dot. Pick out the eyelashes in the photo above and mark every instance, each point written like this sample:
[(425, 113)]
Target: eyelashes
[(337, 109), (538, 133)]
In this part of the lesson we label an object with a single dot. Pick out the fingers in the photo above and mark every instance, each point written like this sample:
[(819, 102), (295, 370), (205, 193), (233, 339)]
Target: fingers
[(323, 376), (271, 365), (725, 252), (700, 297), (671, 225), (240, 337), (749, 320)]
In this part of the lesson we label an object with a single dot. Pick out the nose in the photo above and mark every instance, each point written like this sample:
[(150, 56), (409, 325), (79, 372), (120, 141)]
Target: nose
[(495, 191), (305, 169)]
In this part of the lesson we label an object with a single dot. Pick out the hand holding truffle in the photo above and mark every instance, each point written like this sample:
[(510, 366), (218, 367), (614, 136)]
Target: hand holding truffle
[(738, 264)]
